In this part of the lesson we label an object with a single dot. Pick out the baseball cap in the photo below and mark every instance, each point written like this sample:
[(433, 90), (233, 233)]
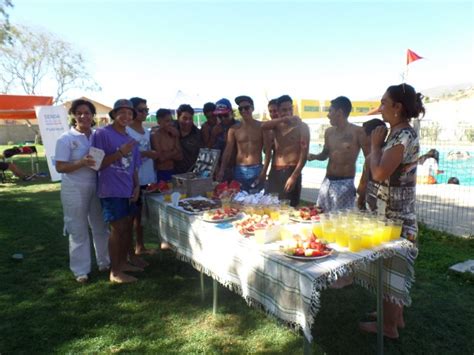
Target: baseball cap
[(241, 98), (223, 106), (122, 103)]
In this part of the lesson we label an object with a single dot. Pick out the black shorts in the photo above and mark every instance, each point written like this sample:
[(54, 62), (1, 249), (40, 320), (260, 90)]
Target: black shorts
[(277, 181), (4, 166)]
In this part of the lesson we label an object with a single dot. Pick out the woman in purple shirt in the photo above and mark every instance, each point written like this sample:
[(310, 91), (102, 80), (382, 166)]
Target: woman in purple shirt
[(118, 187)]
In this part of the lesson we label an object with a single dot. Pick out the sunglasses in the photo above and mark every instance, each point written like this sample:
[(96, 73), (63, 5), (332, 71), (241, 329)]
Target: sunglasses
[(245, 108), (143, 110), (223, 116)]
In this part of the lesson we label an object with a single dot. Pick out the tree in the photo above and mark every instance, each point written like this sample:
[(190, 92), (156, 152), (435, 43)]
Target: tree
[(37, 61), (4, 24)]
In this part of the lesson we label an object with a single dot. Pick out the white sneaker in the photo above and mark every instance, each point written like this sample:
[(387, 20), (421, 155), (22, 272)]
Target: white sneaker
[(82, 279)]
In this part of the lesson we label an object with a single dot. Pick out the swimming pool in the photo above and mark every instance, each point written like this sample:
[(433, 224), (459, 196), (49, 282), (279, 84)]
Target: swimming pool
[(462, 169)]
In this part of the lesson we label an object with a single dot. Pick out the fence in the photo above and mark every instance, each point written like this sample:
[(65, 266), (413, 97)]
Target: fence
[(441, 206), (447, 206)]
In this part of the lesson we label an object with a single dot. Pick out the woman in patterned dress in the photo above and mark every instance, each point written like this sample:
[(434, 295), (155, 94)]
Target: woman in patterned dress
[(391, 193)]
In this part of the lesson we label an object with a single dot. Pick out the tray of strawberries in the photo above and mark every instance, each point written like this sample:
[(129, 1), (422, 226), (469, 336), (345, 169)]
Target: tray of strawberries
[(221, 215), (311, 249), (308, 214)]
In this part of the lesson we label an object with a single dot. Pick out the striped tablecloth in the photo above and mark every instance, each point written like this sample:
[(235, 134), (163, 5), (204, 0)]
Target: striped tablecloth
[(285, 288)]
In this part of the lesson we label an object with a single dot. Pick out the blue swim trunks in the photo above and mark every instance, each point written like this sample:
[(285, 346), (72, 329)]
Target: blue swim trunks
[(116, 208), (164, 175), (247, 175)]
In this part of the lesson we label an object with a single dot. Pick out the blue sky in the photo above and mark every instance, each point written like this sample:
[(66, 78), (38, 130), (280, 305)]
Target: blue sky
[(214, 49)]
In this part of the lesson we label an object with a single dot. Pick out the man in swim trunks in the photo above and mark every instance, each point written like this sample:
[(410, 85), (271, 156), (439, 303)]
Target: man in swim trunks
[(165, 143), (291, 144), (342, 144), (248, 140)]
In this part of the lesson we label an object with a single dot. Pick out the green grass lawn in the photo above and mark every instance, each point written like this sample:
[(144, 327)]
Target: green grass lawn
[(43, 309)]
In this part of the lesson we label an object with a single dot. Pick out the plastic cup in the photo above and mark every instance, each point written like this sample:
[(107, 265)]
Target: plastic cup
[(285, 234), (225, 202), (396, 229), (260, 234), (248, 209), (329, 234), (378, 234), (275, 214), (342, 236), (318, 230), (355, 243), (285, 204), (366, 240), (284, 217), (175, 196)]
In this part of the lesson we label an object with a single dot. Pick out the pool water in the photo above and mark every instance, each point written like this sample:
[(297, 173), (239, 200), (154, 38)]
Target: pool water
[(462, 169)]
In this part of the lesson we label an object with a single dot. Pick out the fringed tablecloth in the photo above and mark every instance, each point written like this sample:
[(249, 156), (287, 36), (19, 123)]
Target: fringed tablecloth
[(285, 288)]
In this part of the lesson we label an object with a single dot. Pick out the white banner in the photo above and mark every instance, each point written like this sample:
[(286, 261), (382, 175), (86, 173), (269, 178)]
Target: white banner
[(52, 122)]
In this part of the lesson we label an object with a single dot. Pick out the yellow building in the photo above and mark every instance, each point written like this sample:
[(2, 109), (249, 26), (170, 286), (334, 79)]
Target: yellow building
[(308, 109)]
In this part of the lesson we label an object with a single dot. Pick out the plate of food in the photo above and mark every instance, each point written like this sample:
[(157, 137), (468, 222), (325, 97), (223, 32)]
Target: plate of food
[(308, 254), (306, 214), (311, 249), (197, 205), (248, 224), (221, 215)]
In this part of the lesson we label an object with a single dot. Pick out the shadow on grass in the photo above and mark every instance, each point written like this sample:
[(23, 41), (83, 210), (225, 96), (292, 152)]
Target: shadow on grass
[(43, 310)]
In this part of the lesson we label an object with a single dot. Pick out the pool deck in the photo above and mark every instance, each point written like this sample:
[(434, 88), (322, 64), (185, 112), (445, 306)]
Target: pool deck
[(443, 207)]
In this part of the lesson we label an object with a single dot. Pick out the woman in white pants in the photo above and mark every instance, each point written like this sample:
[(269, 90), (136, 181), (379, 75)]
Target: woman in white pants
[(81, 206)]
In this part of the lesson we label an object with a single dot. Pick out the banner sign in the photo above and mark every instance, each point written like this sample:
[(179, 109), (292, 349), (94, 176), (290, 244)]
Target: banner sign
[(52, 121)]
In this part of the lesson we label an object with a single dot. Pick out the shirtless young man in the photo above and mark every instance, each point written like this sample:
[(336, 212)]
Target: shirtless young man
[(291, 144), (165, 143), (342, 144), (211, 122), (273, 112), (248, 139)]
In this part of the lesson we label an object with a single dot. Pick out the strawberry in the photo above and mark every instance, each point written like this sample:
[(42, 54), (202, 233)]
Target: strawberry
[(299, 252)]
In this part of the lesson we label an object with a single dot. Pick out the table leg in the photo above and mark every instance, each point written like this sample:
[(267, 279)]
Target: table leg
[(380, 306), (202, 287), (214, 297), (307, 346)]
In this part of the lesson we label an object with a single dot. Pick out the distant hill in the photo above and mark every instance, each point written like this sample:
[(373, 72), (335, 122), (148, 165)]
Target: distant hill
[(449, 92), (446, 92)]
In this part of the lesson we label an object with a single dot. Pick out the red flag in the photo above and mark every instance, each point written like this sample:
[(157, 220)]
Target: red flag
[(412, 56)]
